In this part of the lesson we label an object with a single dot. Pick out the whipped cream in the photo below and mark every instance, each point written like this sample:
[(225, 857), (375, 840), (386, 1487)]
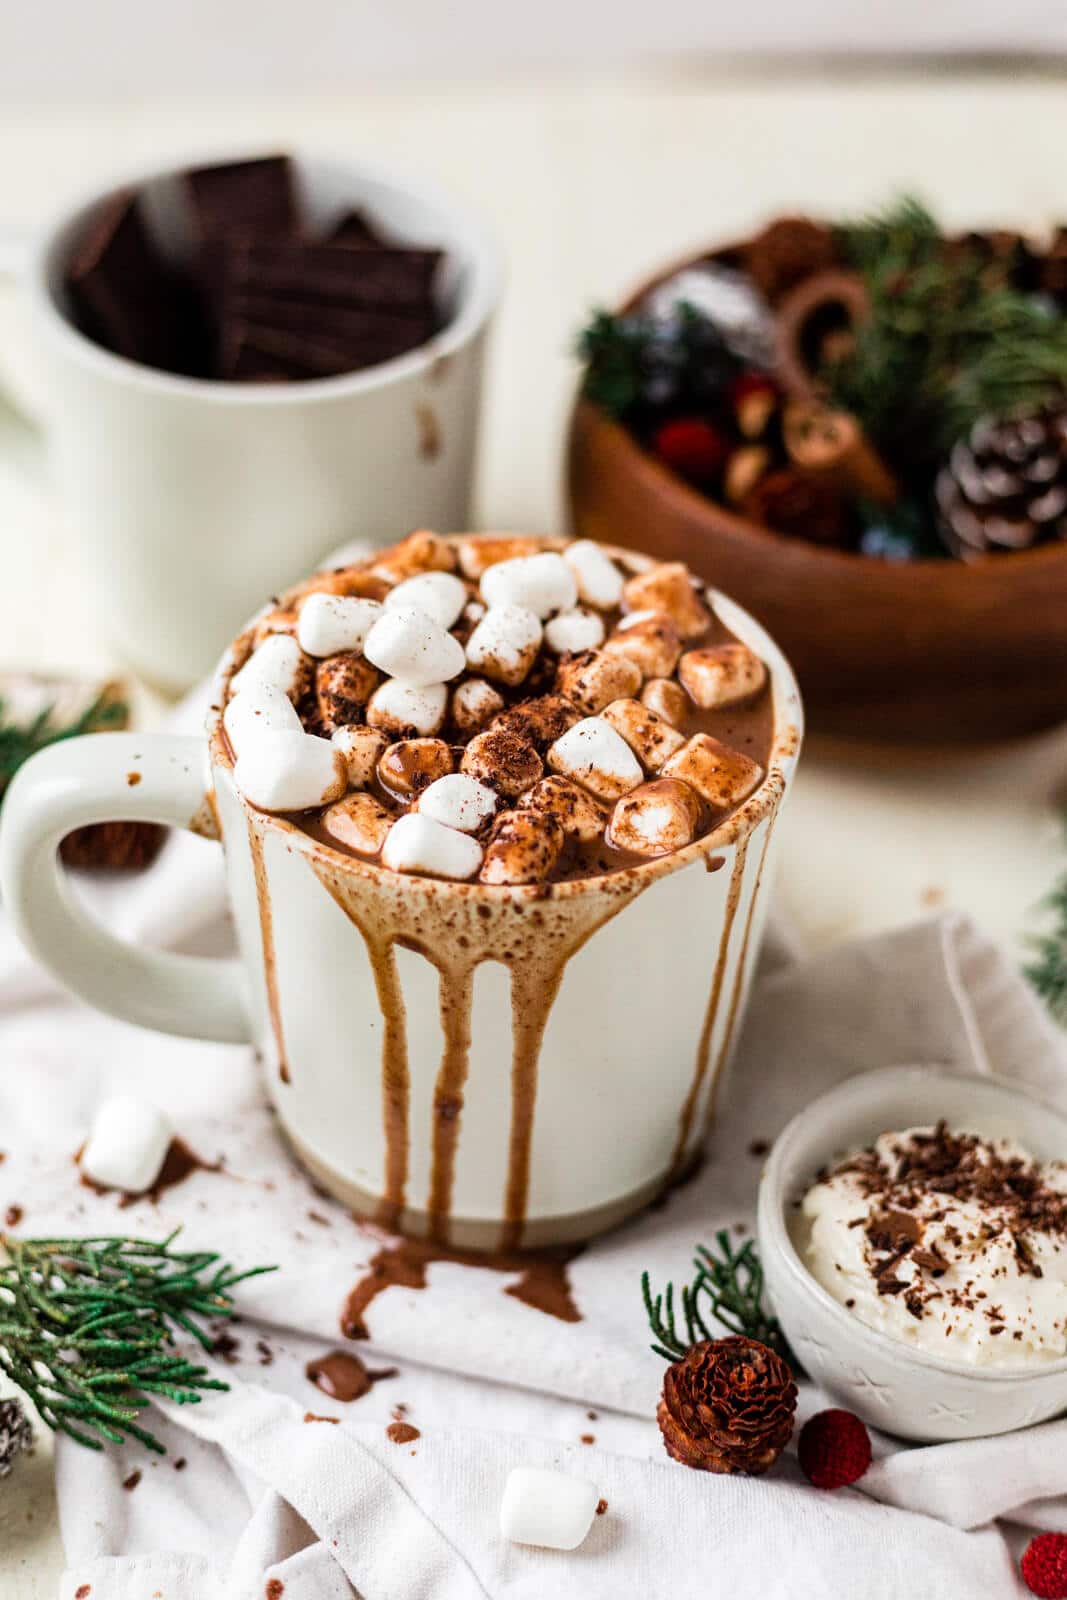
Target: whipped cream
[(951, 1243)]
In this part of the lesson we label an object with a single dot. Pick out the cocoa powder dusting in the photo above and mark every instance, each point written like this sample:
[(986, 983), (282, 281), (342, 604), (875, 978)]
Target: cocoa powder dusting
[(402, 1432), (266, 930), (344, 1376), (541, 1284)]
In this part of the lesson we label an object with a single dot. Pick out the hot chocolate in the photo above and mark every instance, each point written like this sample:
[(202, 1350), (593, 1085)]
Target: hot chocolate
[(508, 710)]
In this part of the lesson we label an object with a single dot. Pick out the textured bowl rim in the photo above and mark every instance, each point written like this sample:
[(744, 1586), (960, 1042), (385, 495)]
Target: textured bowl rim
[(774, 1234)]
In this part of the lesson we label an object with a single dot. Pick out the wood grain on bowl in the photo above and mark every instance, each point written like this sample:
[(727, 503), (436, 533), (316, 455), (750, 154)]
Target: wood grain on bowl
[(916, 652)]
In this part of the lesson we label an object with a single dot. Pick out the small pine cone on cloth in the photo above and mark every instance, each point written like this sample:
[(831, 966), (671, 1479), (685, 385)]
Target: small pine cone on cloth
[(727, 1406), (1004, 487)]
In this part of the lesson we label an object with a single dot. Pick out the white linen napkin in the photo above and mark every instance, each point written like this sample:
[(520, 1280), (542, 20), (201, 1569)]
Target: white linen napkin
[(490, 1382)]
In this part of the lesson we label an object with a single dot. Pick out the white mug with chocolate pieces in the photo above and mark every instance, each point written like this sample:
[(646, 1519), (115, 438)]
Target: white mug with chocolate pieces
[(239, 367), (498, 903)]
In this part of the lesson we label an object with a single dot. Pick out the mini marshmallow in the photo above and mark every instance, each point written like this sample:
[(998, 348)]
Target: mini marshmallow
[(650, 640), (655, 818), (402, 709), (597, 757), (650, 738), (479, 552), (524, 847), (505, 643), (259, 709), (574, 631), (458, 801), (502, 759), (277, 619), (359, 821), (578, 814), (593, 679), (411, 765), (722, 675), (290, 772), (543, 583), (599, 579), (332, 622), (278, 661), (721, 776), (419, 844), (128, 1144), (343, 685), (440, 594), (547, 1508), (667, 699), (474, 705), (421, 551), (409, 645), (669, 588), (361, 748)]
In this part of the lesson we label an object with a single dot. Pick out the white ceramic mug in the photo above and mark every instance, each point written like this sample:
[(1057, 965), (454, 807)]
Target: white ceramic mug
[(191, 499), (494, 1067)]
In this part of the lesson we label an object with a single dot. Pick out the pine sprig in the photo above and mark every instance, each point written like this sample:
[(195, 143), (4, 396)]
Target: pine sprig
[(87, 1328), (19, 741), (727, 1289), (1047, 970), (942, 345)]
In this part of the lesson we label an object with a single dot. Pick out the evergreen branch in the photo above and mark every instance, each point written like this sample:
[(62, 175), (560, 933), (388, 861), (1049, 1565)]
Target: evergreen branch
[(87, 1328), (727, 1289), (1047, 970), (19, 741)]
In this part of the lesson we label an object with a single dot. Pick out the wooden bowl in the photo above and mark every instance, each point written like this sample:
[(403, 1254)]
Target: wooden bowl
[(902, 652)]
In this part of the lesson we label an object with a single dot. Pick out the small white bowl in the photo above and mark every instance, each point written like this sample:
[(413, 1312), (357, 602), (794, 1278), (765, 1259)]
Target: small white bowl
[(889, 1384)]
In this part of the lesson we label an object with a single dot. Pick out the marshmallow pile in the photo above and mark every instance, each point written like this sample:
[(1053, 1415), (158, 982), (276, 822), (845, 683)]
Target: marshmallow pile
[(467, 708)]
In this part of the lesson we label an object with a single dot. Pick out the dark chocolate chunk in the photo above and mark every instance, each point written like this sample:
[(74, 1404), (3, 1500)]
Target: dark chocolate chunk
[(126, 297), (355, 230), (370, 278), (253, 199)]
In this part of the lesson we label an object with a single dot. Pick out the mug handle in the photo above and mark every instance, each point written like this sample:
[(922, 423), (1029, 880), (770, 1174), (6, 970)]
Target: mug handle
[(108, 777)]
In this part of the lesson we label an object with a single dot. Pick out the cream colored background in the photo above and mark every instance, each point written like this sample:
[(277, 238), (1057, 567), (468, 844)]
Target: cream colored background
[(589, 180)]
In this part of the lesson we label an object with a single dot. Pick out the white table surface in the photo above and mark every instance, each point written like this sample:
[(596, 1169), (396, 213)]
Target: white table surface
[(588, 183)]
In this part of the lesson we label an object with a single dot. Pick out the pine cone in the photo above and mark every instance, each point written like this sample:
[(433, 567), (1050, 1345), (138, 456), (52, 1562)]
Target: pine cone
[(788, 250), (789, 501), (113, 846), (16, 1434), (1005, 486), (727, 1406)]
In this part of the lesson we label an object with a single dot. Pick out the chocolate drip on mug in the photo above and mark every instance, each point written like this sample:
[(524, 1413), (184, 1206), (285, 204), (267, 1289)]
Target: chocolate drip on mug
[(739, 976), (456, 998), (733, 899), (266, 930)]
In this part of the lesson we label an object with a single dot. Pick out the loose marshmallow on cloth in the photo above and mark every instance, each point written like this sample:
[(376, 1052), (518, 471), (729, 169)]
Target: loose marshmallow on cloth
[(261, 708), (547, 1508), (128, 1143), (329, 623), (290, 771), (594, 755), (542, 584), (407, 643), (458, 801), (440, 594), (419, 844)]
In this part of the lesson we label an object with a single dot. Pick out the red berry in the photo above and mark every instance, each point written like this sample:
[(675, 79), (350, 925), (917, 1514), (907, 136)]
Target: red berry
[(834, 1449), (1044, 1566), (692, 447)]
